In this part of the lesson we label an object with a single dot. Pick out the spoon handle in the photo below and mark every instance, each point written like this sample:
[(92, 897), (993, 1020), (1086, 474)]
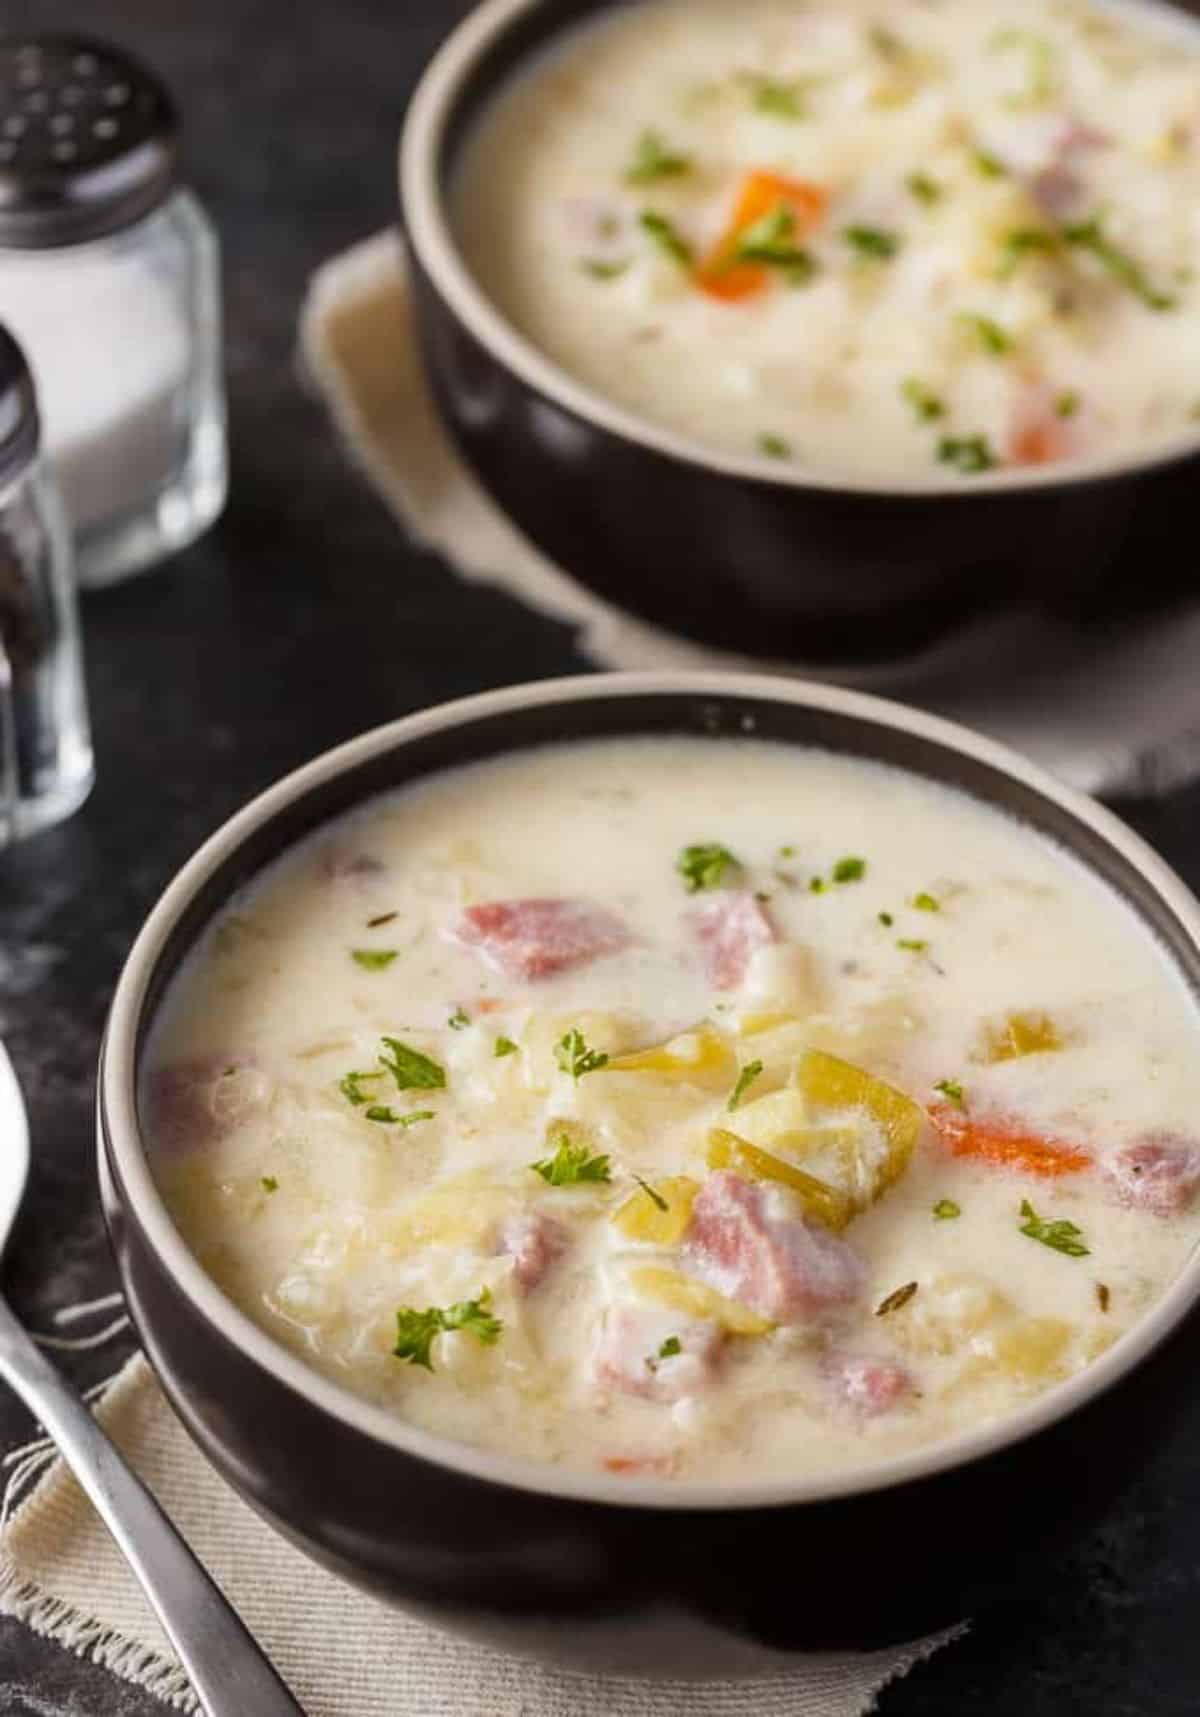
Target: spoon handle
[(228, 1672)]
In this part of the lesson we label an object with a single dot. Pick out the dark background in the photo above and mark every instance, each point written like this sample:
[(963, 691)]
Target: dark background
[(303, 618)]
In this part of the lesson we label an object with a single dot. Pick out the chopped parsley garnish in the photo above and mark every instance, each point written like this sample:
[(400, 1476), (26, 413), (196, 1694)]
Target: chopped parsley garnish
[(1089, 236), (1067, 403), (787, 852), (969, 454), (774, 446), (654, 159), (987, 165), (656, 1198), (504, 1046), (378, 1112), (924, 188), (351, 1087), (850, 870), (572, 1165), (745, 1080), (771, 241), (459, 1020), (269, 1183), (886, 919), (952, 1090), (912, 944), (373, 959), (411, 1070), (995, 340), (704, 866), (574, 1057), (415, 1331), (596, 270), (1061, 1236), (875, 243), (666, 236), (927, 405), (945, 1210), (1103, 1297), (670, 1347), (381, 918), (900, 1297), (1023, 242), (926, 902), (817, 885), (781, 98)]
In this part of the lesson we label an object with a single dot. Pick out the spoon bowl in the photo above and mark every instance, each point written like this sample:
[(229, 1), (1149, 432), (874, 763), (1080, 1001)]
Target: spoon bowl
[(14, 1156)]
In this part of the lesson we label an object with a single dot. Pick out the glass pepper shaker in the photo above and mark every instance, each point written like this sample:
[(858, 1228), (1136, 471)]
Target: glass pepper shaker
[(45, 746), (109, 277)]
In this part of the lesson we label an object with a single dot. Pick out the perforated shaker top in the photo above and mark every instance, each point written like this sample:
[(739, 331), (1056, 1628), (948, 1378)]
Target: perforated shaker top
[(88, 140)]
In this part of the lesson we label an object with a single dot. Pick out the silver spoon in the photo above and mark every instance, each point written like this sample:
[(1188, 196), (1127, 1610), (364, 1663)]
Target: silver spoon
[(228, 1672)]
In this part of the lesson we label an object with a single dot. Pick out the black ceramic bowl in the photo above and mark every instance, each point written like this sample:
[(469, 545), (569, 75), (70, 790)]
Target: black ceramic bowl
[(611, 1570), (740, 552)]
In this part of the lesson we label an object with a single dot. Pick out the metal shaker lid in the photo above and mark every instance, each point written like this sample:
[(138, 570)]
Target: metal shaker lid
[(19, 426), (88, 140)]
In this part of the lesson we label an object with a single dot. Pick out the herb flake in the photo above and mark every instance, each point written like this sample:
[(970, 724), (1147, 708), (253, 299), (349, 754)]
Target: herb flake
[(574, 1057), (926, 902), (656, 1198), (912, 944), (970, 454), (670, 1347), (666, 236), (849, 870), (704, 866), (927, 405), (572, 1165), (988, 334), (504, 1046), (373, 959), (416, 1330), (745, 1080), (269, 1183), (924, 188), (1089, 236), (874, 244), (1060, 1236), (774, 446), (654, 159), (952, 1091), (945, 1210), (411, 1070), (459, 1020)]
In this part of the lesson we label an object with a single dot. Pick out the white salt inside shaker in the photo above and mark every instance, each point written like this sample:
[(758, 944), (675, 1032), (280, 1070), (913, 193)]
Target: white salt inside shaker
[(109, 277)]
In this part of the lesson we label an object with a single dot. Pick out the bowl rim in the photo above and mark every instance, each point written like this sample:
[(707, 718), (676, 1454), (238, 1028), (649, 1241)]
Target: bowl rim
[(120, 1134), (427, 226)]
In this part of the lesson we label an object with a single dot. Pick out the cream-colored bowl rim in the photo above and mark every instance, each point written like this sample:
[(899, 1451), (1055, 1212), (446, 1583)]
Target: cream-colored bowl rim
[(117, 1102), (428, 228)]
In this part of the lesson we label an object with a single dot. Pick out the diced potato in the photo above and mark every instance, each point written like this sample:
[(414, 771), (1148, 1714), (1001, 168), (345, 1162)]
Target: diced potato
[(639, 1218), (824, 1203), (944, 1315), (1019, 1034), (780, 1120), (702, 1056), (455, 1212), (685, 1294), (830, 1083), (1033, 1350)]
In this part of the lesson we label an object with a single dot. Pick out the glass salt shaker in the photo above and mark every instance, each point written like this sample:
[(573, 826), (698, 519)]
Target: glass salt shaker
[(109, 276), (45, 746)]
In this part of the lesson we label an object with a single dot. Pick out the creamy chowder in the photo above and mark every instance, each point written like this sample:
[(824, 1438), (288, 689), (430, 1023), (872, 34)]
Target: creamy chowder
[(698, 1107), (929, 239)]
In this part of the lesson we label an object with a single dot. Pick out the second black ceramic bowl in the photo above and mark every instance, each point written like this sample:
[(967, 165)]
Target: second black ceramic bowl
[(740, 552), (634, 1575)]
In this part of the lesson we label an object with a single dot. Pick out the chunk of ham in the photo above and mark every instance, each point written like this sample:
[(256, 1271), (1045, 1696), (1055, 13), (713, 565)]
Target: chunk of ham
[(1159, 1172), (540, 938), (627, 1352), (535, 1242), (729, 929), (743, 1240), (868, 1386), (194, 1103), (1058, 188)]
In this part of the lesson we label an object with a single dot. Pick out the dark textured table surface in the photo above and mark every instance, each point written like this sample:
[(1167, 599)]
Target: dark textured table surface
[(303, 618)]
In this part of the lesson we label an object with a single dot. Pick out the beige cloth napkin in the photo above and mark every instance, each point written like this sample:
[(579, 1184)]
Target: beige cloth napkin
[(342, 1653), (1117, 713)]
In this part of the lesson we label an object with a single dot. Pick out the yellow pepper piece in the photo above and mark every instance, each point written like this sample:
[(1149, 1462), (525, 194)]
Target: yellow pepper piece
[(825, 1204), (1020, 1034), (835, 1084), (702, 1055), (639, 1218), (685, 1294)]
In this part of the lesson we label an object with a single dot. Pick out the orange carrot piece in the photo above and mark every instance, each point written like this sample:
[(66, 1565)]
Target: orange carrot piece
[(719, 274), (995, 1141)]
